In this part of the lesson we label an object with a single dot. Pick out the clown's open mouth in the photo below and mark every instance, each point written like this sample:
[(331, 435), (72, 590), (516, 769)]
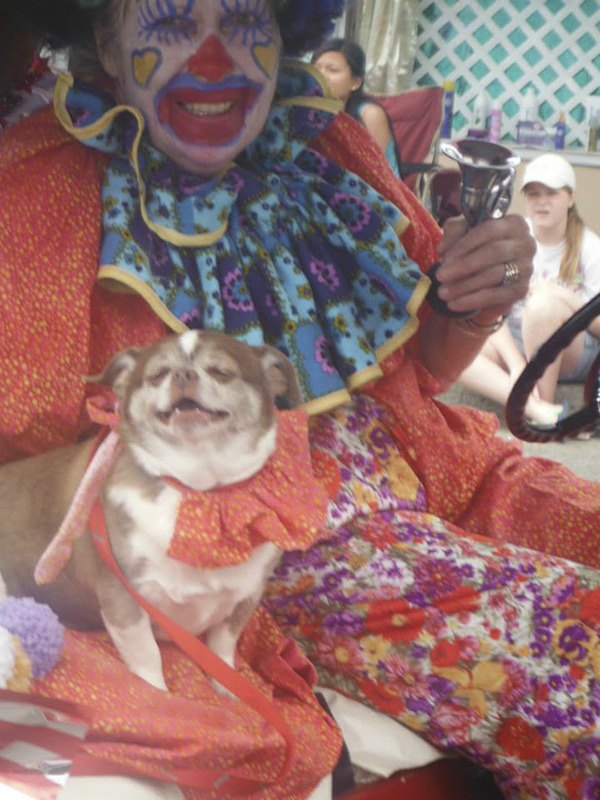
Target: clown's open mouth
[(206, 109), (209, 117)]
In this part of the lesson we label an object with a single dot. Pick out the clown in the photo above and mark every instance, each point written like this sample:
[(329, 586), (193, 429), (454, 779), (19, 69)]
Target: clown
[(196, 178), (202, 74)]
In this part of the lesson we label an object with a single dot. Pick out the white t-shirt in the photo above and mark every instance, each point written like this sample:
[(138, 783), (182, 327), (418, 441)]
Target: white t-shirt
[(546, 266)]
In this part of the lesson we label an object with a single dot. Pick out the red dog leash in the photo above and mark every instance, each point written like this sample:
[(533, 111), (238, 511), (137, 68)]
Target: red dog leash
[(232, 680), (284, 525)]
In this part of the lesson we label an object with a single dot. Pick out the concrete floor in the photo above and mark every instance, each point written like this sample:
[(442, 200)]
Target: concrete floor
[(582, 457)]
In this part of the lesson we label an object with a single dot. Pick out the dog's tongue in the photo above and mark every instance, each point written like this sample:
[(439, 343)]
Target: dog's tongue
[(186, 409), (192, 414)]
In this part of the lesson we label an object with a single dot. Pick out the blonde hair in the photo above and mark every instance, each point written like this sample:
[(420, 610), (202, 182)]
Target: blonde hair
[(569, 264)]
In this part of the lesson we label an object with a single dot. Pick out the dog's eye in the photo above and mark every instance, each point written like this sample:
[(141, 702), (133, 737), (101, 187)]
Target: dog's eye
[(220, 374), (157, 377)]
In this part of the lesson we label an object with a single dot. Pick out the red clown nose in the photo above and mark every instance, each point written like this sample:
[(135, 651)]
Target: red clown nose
[(211, 61)]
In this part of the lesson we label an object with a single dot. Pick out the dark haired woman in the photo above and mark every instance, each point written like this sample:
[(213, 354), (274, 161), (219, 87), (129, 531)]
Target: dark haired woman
[(343, 64)]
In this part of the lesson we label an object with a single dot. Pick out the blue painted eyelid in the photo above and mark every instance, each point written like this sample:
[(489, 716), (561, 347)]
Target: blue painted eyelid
[(153, 13), (258, 32)]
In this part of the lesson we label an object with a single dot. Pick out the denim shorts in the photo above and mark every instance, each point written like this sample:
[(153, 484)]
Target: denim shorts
[(591, 348)]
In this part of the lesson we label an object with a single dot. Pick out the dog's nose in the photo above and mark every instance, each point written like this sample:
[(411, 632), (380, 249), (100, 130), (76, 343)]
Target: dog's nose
[(185, 377)]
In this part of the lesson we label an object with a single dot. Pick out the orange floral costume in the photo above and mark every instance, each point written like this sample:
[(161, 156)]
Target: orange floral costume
[(421, 601), (198, 738)]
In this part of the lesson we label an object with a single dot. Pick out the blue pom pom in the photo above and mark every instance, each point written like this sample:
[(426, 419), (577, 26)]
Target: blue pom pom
[(38, 629)]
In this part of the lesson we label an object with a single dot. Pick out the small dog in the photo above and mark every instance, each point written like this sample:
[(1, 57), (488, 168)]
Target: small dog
[(198, 408)]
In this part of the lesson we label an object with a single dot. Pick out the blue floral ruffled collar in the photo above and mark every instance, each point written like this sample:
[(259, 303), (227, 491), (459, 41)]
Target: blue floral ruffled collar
[(285, 247)]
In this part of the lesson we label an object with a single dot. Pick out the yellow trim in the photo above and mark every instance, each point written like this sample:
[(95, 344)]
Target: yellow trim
[(411, 327), (112, 275), (329, 102), (402, 224), (418, 296), (366, 375), (64, 83), (399, 339), (117, 279), (320, 103), (304, 66), (320, 405)]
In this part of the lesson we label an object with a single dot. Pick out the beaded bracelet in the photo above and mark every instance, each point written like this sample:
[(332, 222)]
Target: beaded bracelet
[(471, 327)]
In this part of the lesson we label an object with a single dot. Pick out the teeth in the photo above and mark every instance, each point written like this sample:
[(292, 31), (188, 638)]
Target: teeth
[(207, 109)]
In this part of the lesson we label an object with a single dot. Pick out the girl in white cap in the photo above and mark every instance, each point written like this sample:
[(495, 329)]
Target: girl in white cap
[(566, 275)]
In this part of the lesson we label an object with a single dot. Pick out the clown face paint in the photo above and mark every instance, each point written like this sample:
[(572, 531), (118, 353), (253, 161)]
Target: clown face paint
[(202, 72), (145, 63)]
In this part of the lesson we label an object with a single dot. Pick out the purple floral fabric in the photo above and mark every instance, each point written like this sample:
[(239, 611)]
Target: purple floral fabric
[(482, 647)]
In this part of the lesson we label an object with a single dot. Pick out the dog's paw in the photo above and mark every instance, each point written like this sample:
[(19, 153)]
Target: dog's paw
[(220, 689), (153, 678)]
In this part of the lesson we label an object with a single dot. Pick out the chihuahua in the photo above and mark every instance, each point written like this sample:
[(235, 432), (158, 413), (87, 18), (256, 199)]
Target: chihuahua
[(198, 408)]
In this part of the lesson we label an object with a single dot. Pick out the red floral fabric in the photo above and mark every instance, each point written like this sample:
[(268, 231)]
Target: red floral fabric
[(138, 729), (57, 326)]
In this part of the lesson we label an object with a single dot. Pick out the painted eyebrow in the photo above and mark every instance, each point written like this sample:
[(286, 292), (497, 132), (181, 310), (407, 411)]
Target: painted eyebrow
[(258, 31), (153, 12)]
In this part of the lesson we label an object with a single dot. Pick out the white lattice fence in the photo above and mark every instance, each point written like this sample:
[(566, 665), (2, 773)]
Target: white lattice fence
[(502, 47)]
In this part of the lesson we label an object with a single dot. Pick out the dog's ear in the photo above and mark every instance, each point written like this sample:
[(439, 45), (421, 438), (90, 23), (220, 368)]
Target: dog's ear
[(281, 375), (117, 371)]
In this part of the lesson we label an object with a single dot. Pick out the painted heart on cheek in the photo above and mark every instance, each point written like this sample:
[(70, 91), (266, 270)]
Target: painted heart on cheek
[(266, 57), (145, 63)]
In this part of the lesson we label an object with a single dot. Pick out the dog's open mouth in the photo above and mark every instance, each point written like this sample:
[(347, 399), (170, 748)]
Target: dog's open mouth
[(188, 409)]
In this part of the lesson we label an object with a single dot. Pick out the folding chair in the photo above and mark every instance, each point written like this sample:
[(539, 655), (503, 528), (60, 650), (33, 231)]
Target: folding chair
[(415, 116)]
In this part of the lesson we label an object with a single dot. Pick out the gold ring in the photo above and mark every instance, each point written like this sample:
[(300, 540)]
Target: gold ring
[(512, 273)]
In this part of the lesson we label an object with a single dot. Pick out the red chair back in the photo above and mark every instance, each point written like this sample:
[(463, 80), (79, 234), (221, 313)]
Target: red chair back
[(415, 116)]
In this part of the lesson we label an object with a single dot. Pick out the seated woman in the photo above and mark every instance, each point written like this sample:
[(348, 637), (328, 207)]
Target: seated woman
[(202, 181), (343, 64), (566, 274)]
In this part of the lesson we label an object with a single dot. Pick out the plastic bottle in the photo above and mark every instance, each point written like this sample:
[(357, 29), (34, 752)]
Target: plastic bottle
[(593, 133), (478, 128), (448, 109), (529, 107), (480, 113), (560, 132), (495, 122)]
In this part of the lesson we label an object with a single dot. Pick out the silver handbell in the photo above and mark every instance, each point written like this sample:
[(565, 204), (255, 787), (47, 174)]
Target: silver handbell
[(487, 176), (488, 172)]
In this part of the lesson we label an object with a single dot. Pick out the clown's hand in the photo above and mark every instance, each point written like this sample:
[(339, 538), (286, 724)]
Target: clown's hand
[(487, 267)]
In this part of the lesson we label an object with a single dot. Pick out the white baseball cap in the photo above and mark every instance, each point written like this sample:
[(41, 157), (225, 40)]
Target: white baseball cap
[(551, 170)]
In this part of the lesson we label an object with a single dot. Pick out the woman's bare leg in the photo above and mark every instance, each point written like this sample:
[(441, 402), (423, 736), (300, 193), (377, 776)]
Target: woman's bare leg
[(547, 308), (487, 378), (493, 372)]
